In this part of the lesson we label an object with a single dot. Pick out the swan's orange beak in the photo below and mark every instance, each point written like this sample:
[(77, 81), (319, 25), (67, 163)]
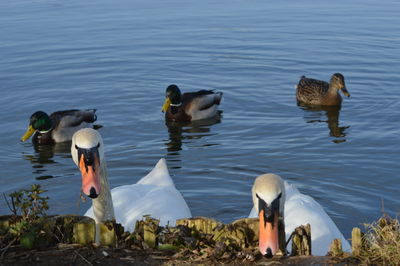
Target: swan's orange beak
[(268, 240), (90, 175)]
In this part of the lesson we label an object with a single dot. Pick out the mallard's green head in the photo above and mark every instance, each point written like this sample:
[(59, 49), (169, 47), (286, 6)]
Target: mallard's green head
[(172, 97), (39, 121), (337, 80)]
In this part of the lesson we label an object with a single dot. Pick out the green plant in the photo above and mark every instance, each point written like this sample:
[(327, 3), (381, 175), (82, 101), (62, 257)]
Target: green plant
[(30, 205)]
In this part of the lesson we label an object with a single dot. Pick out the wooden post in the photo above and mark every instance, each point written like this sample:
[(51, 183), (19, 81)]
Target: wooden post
[(335, 248), (108, 234), (203, 224), (147, 231), (301, 242), (356, 241), (84, 231)]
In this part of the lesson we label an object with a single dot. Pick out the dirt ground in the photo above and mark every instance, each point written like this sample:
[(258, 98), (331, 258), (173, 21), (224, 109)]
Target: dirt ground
[(77, 255)]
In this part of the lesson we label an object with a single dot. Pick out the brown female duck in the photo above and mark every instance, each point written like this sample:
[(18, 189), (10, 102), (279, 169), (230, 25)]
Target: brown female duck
[(318, 92), (190, 106)]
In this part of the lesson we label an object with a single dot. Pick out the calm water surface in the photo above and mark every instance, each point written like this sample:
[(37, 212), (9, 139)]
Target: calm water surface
[(119, 56)]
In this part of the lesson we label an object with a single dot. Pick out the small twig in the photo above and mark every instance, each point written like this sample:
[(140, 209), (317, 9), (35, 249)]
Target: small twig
[(59, 230), (82, 199), (6, 248), (382, 206), (13, 206), (290, 237), (88, 262), (8, 204)]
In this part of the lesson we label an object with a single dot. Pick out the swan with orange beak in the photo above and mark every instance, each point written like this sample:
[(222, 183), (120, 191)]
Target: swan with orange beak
[(281, 208), (88, 154), (155, 194), (268, 197)]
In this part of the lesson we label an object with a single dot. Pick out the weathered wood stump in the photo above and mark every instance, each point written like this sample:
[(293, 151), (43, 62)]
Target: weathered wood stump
[(201, 224), (335, 249), (356, 243), (84, 231), (147, 230), (301, 242)]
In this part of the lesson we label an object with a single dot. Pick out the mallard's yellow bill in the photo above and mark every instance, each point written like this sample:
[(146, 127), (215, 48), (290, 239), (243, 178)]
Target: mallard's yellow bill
[(28, 133), (166, 105)]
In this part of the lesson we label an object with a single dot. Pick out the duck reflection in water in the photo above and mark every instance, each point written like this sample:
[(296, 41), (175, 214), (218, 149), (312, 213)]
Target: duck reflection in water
[(313, 115), (179, 132), (44, 155)]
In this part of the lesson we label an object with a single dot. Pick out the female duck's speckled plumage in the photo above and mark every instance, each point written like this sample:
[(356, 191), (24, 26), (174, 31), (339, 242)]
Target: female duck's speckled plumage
[(318, 92), (59, 126), (190, 106)]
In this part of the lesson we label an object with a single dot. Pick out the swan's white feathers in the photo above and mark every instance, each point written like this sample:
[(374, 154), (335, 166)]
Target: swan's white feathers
[(268, 187), (158, 176), (154, 195), (86, 138)]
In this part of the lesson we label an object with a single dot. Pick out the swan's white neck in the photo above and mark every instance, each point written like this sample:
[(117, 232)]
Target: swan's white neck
[(103, 208)]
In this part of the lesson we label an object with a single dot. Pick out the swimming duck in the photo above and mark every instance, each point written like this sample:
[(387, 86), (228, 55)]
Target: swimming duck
[(154, 195), (190, 106), (275, 201), (59, 126), (318, 92)]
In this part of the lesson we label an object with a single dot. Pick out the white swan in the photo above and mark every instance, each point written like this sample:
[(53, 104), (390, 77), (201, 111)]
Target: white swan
[(154, 194), (275, 199)]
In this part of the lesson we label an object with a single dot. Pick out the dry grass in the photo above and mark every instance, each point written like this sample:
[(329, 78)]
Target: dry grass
[(382, 242)]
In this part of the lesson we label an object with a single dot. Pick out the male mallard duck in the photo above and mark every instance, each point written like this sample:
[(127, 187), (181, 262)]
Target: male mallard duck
[(154, 195), (318, 92), (281, 208), (59, 126), (191, 105)]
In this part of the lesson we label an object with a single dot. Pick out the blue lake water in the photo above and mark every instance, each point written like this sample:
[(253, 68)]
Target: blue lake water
[(119, 56)]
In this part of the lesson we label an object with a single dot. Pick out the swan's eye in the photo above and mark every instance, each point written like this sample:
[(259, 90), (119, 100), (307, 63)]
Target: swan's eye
[(98, 145), (76, 146)]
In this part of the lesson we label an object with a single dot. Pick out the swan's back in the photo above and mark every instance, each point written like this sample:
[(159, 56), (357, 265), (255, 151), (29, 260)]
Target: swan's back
[(301, 209), (159, 176)]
